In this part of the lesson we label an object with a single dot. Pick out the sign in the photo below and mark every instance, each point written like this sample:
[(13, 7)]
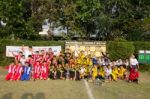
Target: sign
[(16, 49), (92, 48), (144, 56)]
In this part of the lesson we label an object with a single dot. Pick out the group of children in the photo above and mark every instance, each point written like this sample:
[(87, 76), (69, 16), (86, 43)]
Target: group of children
[(45, 65)]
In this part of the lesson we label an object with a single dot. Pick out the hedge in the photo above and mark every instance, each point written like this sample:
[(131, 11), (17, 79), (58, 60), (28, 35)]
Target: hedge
[(137, 46), (3, 43), (115, 50), (120, 50), (141, 46)]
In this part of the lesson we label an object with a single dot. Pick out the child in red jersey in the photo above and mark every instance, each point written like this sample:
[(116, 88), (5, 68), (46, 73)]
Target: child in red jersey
[(134, 75), (36, 70), (44, 71), (46, 58), (17, 57), (41, 58), (18, 72), (10, 72), (30, 60)]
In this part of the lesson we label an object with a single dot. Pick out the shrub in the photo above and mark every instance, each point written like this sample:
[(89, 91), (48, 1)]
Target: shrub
[(145, 67), (120, 49), (141, 46)]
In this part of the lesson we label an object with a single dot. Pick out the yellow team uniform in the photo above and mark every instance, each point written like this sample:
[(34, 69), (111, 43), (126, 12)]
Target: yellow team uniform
[(102, 72), (81, 58), (84, 62), (115, 73), (121, 72), (86, 71), (94, 72), (89, 62), (79, 61)]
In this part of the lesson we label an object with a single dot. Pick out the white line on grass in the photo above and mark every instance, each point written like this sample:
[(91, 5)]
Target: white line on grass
[(88, 90)]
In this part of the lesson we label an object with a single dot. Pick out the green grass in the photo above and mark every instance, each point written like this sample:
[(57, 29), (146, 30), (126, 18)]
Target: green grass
[(60, 89)]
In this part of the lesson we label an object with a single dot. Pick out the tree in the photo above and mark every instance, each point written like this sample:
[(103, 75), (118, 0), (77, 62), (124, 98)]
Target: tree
[(107, 19)]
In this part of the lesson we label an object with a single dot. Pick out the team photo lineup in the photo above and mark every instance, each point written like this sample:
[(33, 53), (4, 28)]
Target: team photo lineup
[(45, 65)]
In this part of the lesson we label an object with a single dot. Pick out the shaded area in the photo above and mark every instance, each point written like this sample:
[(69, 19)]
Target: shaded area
[(39, 95), (7, 96), (31, 96)]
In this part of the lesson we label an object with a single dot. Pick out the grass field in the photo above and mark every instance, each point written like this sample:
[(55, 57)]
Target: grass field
[(60, 89)]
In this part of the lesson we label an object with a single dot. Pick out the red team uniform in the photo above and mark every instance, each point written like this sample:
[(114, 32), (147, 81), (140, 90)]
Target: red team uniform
[(36, 70), (10, 72), (134, 75), (17, 72), (44, 71)]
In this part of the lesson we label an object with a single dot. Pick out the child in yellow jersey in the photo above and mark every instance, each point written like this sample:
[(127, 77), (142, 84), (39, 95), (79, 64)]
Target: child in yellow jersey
[(122, 72), (84, 61), (114, 73), (101, 73), (81, 55), (94, 72), (89, 62), (78, 60)]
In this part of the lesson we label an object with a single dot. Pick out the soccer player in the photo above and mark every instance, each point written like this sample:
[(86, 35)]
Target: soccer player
[(134, 75), (94, 72), (26, 72), (18, 72), (10, 72)]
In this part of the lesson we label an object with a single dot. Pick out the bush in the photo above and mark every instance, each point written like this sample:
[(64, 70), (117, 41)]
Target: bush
[(120, 49), (3, 43), (145, 67), (141, 46)]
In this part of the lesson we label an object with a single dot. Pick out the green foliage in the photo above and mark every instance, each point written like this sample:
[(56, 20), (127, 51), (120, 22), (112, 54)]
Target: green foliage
[(141, 46), (145, 67), (108, 19), (3, 43), (12, 12), (120, 50)]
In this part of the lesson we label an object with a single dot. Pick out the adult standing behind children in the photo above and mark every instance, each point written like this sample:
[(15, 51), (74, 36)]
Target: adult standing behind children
[(134, 62)]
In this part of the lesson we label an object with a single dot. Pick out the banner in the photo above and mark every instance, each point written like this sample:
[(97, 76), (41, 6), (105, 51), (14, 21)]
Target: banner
[(144, 56), (16, 49), (90, 48)]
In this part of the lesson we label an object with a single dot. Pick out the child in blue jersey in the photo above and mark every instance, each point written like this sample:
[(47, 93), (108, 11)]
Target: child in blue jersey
[(26, 72)]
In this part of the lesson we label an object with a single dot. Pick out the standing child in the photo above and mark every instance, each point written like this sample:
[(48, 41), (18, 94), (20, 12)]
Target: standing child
[(36, 56), (17, 56)]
